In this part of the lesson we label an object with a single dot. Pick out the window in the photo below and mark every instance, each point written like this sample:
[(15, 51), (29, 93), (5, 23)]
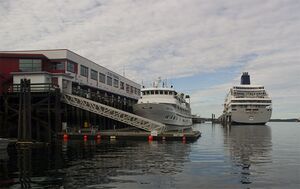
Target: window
[(94, 75), (121, 85), (71, 67), (131, 89), (116, 83), (102, 77), (127, 88), (84, 71), (30, 65), (109, 81)]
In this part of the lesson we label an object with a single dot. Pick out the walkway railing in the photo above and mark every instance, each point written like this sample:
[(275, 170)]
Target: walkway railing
[(113, 113)]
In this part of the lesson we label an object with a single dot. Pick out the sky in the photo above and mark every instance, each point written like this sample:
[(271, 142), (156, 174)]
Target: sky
[(200, 46)]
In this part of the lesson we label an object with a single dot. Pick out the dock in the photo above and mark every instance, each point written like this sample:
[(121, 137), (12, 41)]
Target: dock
[(132, 135), (58, 91)]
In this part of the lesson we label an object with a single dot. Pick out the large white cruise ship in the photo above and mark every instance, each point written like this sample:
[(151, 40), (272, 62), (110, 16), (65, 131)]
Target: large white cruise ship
[(165, 105), (247, 104)]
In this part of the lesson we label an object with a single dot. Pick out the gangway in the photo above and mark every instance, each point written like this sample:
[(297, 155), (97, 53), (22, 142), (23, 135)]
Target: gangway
[(113, 113)]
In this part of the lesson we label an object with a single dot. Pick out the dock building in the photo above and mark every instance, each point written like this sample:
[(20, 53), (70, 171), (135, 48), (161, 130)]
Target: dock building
[(67, 70), (69, 73)]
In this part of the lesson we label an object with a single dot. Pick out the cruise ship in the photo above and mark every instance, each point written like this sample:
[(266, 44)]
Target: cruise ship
[(163, 104), (247, 104)]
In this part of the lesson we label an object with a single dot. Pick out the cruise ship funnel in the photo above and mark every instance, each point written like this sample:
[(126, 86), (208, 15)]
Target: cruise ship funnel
[(245, 79)]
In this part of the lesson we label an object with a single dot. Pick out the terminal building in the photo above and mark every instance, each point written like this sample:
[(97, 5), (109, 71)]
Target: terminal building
[(68, 71)]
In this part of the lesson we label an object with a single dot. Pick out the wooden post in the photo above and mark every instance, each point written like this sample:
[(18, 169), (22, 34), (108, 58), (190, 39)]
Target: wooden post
[(57, 109), (24, 120)]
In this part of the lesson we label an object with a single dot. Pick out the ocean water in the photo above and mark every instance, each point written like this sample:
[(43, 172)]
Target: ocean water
[(236, 157)]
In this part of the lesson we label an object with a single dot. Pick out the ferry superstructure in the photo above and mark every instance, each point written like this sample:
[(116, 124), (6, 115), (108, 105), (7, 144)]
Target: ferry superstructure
[(165, 105), (247, 104)]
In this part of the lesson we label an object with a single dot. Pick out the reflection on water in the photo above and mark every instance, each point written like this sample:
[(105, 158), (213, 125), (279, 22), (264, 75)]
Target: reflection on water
[(108, 162), (235, 157), (248, 146), (77, 164)]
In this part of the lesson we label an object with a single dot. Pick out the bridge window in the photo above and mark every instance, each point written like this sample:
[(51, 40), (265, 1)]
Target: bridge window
[(102, 77), (84, 71), (109, 80), (94, 75), (30, 65)]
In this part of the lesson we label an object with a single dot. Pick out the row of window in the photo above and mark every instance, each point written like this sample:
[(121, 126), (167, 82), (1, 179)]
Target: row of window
[(156, 92), (251, 101), (248, 87), (30, 65), (84, 71)]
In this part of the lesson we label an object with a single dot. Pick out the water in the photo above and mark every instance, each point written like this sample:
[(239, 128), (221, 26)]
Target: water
[(239, 157)]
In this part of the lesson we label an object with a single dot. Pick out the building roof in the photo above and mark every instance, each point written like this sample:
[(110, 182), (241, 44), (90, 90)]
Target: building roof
[(21, 55)]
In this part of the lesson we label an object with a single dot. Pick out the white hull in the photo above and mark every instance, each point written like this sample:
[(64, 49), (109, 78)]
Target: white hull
[(163, 113), (242, 116)]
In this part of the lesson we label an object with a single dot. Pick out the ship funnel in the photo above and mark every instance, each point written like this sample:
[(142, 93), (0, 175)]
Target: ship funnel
[(245, 79)]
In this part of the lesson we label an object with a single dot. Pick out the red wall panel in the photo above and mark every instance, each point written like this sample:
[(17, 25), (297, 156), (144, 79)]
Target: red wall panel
[(7, 65)]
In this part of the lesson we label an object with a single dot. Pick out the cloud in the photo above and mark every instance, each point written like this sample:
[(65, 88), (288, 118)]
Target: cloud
[(170, 38)]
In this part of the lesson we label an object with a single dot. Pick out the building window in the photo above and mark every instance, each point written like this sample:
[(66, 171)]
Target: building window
[(102, 77), (109, 81), (84, 71), (116, 83), (71, 67), (131, 89), (127, 88), (94, 75), (121, 85), (30, 65)]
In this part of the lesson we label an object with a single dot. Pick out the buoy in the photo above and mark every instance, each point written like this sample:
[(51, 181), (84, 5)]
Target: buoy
[(150, 138), (85, 137), (183, 138), (65, 136), (98, 136)]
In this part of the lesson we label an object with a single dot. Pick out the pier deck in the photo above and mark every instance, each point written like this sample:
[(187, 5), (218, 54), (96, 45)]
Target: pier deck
[(132, 135)]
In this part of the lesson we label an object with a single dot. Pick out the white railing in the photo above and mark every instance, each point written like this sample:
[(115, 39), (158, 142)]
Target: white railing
[(113, 113)]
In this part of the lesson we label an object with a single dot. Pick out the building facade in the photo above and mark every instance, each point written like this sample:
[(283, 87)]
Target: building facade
[(67, 70)]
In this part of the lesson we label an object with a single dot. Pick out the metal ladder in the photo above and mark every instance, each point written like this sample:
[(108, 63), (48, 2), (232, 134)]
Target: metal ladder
[(113, 113)]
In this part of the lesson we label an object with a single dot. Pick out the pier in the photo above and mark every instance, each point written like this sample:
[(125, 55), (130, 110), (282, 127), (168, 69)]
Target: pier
[(38, 104)]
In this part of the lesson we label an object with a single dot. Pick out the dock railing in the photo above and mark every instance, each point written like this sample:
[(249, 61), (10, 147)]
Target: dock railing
[(113, 113)]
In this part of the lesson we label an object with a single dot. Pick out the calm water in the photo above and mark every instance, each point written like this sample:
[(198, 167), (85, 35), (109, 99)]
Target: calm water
[(240, 157)]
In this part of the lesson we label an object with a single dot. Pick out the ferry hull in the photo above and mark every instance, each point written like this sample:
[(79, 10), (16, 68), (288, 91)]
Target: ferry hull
[(260, 117), (163, 113)]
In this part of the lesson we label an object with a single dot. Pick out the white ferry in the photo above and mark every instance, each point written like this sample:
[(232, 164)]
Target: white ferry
[(165, 105), (248, 104)]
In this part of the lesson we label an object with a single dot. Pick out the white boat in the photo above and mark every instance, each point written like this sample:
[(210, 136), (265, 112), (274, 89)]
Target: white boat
[(248, 104), (163, 104)]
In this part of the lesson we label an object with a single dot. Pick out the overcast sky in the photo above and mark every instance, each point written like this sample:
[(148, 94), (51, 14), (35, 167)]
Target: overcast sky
[(200, 46)]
